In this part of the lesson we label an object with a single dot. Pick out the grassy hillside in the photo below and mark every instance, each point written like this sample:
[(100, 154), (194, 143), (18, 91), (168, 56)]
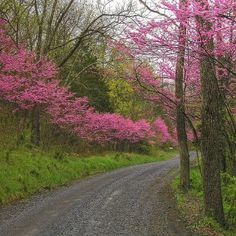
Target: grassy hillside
[(24, 172)]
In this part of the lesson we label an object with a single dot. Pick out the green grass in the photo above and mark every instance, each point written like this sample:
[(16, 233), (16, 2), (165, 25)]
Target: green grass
[(191, 205), (24, 172)]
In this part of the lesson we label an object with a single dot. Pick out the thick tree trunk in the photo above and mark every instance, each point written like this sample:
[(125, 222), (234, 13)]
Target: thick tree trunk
[(35, 126), (212, 144), (180, 109), (212, 141)]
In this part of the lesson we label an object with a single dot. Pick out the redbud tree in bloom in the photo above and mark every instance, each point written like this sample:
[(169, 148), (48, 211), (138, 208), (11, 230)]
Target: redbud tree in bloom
[(27, 82), (157, 42), (209, 59)]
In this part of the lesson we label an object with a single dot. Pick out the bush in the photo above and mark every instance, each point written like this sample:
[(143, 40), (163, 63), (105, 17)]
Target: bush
[(142, 148)]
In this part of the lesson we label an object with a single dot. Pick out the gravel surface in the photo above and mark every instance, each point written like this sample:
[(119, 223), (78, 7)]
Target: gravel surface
[(133, 201)]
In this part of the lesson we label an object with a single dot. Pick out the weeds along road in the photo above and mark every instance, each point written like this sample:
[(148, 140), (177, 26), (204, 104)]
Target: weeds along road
[(133, 201)]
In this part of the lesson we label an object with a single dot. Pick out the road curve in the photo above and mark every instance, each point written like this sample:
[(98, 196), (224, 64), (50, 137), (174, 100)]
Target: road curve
[(133, 201)]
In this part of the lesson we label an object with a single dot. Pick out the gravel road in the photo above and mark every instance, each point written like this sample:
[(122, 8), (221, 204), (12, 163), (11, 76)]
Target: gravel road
[(133, 201)]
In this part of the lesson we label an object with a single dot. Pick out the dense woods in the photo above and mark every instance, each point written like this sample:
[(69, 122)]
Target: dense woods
[(94, 76)]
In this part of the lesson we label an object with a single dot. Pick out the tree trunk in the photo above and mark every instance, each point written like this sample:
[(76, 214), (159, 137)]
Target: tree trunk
[(212, 143), (35, 126), (183, 147), (180, 109), (35, 115)]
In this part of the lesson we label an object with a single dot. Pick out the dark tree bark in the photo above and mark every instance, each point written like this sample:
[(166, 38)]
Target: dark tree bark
[(35, 126), (180, 108), (35, 115), (212, 143)]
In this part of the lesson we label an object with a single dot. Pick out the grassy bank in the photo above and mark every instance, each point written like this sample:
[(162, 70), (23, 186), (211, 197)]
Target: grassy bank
[(191, 205), (24, 172)]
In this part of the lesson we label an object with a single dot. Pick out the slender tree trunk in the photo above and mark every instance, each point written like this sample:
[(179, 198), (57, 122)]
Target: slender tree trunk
[(224, 84), (180, 108), (35, 115), (35, 122), (212, 143)]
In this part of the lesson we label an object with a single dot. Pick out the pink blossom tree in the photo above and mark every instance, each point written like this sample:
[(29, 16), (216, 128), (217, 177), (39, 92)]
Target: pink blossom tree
[(29, 83), (192, 44)]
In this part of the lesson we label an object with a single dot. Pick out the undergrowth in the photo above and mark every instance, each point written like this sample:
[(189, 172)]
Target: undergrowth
[(191, 205), (24, 171)]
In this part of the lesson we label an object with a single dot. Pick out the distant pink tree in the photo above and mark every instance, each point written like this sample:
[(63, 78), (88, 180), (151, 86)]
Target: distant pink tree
[(161, 129)]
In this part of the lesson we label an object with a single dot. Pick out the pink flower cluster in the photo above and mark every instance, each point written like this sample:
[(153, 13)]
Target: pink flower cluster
[(114, 128), (158, 41), (161, 130), (26, 83)]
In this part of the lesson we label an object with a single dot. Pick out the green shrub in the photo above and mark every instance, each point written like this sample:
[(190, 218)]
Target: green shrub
[(195, 197)]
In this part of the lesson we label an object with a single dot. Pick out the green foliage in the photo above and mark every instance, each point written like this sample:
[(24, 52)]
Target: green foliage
[(191, 204), (143, 148), (121, 96), (12, 126), (124, 100), (229, 196), (24, 172), (85, 78)]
